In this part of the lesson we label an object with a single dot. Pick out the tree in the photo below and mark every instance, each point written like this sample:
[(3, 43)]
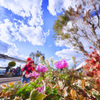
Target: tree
[(12, 63), (35, 56), (32, 55), (80, 23)]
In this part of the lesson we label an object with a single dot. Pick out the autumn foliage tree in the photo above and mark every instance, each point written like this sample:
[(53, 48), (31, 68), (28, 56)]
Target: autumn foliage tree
[(80, 23), (92, 67)]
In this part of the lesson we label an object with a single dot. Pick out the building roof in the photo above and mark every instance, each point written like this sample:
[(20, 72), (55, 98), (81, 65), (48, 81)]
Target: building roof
[(2, 56), (80, 66)]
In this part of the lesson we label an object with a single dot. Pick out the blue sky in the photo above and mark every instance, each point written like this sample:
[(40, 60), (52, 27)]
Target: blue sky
[(15, 17), (27, 26)]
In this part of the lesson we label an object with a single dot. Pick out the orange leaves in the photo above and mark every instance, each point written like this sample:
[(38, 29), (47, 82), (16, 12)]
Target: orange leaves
[(93, 67), (98, 67), (73, 94), (2, 94), (6, 85), (8, 94), (80, 97), (5, 94), (11, 83), (82, 84), (98, 73)]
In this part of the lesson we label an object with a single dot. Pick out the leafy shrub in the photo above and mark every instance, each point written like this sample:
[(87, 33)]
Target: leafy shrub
[(57, 84), (12, 63), (92, 68)]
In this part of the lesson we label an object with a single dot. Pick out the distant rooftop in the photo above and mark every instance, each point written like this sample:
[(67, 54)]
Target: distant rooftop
[(80, 66), (2, 56)]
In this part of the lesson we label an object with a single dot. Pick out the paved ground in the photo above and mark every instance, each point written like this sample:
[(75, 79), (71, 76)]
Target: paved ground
[(9, 79)]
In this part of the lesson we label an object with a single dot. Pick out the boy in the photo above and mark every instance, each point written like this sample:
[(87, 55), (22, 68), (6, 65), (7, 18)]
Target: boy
[(27, 69)]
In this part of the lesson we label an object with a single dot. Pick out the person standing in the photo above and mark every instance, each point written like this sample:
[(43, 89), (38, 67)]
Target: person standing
[(7, 69), (27, 69)]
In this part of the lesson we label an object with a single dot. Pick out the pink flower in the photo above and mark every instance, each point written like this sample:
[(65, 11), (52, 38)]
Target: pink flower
[(41, 68), (29, 75), (61, 64), (35, 74), (41, 89)]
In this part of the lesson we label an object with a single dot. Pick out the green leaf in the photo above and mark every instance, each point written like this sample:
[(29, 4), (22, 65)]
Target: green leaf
[(48, 90), (66, 77), (55, 98), (97, 97), (35, 95), (52, 97), (6, 89)]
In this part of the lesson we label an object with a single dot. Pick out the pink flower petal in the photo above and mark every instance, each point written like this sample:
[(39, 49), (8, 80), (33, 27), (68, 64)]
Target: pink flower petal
[(61, 64)]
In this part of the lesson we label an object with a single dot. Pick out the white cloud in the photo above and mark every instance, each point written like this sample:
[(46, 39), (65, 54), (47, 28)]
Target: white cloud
[(11, 50), (25, 8), (3, 63), (33, 32), (4, 32), (17, 29), (70, 63), (36, 36), (21, 7), (55, 6), (6, 36), (60, 43), (4, 47), (68, 53), (6, 40)]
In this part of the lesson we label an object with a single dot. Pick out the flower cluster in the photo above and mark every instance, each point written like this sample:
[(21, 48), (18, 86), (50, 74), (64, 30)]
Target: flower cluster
[(41, 89), (35, 74), (41, 68), (61, 64)]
